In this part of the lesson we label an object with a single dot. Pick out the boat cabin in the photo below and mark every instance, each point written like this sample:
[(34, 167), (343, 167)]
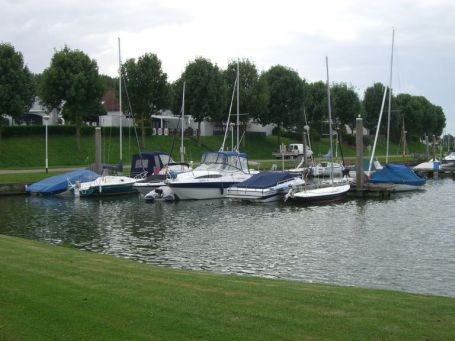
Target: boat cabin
[(225, 161), (150, 162)]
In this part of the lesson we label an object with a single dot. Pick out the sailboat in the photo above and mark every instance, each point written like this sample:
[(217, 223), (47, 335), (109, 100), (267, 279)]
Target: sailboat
[(392, 177), (217, 170), (108, 184), (323, 192)]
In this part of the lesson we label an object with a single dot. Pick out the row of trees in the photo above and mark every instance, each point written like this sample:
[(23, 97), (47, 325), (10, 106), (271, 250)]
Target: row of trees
[(279, 96)]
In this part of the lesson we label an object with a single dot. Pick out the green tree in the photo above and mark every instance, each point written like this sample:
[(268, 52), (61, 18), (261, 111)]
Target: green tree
[(286, 97), (17, 87), (421, 117), (346, 104), (72, 83), (252, 96), (205, 88), (372, 101), (147, 87), (316, 104)]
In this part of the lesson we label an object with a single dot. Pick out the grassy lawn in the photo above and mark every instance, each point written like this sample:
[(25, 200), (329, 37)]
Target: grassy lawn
[(50, 292), (29, 151)]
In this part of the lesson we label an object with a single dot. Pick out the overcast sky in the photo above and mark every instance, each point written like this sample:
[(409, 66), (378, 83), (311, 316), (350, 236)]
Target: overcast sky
[(355, 35)]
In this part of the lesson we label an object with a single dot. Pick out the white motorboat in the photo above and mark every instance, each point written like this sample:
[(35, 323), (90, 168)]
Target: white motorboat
[(104, 185), (448, 162), (265, 187), (324, 169), (319, 194), (428, 166), (217, 172)]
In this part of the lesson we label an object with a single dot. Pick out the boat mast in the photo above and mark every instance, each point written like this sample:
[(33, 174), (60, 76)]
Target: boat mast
[(377, 131), (120, 95), (182, 150), (390, 99), (238, 105), (330, 119)]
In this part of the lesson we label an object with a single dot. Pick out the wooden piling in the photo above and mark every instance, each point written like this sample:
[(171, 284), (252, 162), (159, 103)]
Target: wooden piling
[(98, 165), (359, 153)]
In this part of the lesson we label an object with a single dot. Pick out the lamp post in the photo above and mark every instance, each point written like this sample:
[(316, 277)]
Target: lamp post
[(46, 119)]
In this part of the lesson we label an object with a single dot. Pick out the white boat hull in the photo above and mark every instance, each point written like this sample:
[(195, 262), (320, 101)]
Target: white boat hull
[(320, 194), (200, 185), (275, 193), (390, 187), (105, 185), (193, 193), (147, 187)]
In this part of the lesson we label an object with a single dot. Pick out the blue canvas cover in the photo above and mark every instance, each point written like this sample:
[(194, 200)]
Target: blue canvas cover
[(265, 179), (396, 174), (59, 183)]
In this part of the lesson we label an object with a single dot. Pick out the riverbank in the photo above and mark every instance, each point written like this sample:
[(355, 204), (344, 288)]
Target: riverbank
[(54, 292)]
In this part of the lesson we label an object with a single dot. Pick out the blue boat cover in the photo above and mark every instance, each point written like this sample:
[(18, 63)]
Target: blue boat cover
[(265, 180), (396, 174), (59, 183)]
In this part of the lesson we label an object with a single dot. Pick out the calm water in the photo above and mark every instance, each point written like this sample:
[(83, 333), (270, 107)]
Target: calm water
[(404, 243)]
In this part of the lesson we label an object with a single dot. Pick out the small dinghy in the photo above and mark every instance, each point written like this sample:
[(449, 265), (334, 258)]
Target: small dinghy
[(163, 193), (265, 187)]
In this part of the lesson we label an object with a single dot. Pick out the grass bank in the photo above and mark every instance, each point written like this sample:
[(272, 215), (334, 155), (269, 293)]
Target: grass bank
[(29, 151), (49, 292)]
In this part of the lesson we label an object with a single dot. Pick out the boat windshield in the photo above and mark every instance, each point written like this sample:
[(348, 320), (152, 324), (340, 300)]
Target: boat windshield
[(221, 161), (165, 159)]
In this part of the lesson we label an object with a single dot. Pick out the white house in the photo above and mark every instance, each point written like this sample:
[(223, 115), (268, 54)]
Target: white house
[(112, 119), (166, 121)]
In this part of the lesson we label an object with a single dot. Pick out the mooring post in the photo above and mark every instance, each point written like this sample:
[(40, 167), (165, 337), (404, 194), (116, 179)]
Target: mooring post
[(98, 167), (427, 155), (304, 149), (359, 177), (436, 169)]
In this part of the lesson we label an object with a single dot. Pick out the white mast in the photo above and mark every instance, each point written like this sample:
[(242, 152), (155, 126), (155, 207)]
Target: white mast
[(390, 99), (238, 105), (120, 95), (182, 150), (330, 119), (377, 131)]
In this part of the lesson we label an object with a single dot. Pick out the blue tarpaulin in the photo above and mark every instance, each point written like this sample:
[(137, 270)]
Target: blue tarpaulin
[(59, 183), (396, 174), (265, 180)]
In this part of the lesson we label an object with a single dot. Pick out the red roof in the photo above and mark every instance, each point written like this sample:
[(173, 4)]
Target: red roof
[(110, 101)]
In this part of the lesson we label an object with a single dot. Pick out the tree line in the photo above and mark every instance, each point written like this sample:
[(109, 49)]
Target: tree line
[(72, 83)]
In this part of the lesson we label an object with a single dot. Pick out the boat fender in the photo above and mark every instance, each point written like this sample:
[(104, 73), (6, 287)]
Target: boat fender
[(222, 190)]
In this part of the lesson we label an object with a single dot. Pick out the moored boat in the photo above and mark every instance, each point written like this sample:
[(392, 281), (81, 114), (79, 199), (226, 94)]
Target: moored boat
[(59, 183), (217, 172), (396, 178), (105, 185), (265, 187), (319, 194)]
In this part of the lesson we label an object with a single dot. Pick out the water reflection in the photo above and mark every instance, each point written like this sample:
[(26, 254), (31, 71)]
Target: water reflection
[(404, 243)]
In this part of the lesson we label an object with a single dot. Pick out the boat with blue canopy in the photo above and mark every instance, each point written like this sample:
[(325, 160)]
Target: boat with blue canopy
[(265, 187), (396, 178), (60, 183)]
